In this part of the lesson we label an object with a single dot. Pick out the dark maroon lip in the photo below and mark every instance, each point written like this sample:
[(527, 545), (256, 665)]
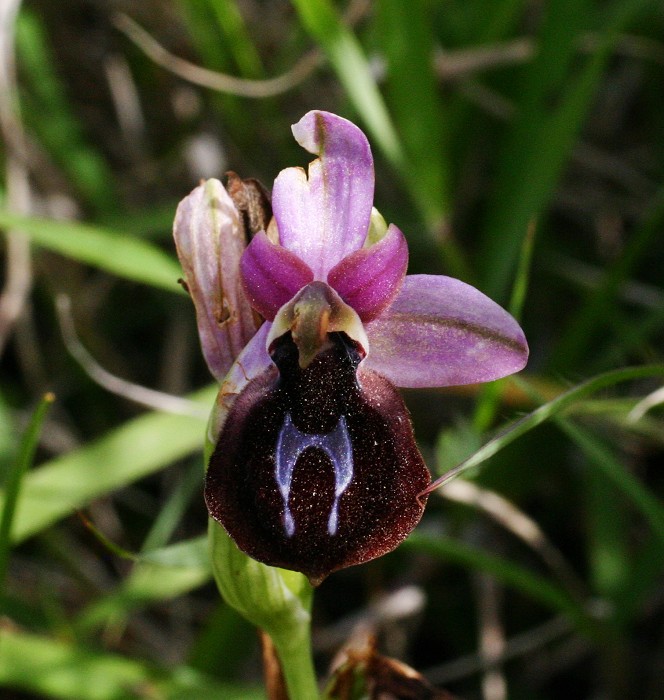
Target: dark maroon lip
[(317, 469)]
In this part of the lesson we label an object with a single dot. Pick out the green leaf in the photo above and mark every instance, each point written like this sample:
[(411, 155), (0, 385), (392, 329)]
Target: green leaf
[(547, 412), (323, 22), (405, 30), (163, 574), (603, 459), (599, 304), (542, 137), (139, 447), (110, 251), (405, 35), (238, 41), (58, 669), (608, 552), (47, 112)]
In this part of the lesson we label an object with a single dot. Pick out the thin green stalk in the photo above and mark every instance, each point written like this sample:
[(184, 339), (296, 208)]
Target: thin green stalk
[(544, 413), (522, 278), (275, 600), (13, 486), (489, 399), (607, 465), (297, 664)]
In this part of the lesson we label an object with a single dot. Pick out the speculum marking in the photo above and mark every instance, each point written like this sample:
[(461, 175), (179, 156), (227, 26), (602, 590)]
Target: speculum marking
[(336, 444)]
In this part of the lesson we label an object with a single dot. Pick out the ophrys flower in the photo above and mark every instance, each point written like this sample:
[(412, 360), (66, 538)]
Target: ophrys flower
[(310, 328)]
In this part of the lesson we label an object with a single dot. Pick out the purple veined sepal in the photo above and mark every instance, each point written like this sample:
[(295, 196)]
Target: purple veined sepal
[(206, 224), (324, 215), (316, 468), (440, 331)]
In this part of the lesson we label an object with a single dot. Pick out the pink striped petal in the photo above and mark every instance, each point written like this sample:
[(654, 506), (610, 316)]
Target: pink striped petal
[(210, 239), (324, 218), (370, 278), (271, 275), (442, 332)]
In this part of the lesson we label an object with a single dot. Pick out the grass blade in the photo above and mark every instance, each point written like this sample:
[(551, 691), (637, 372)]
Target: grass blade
[(605, 461), (597, 306), (158, 575), (110, 251), (60, 133), (59, 669), (14, 481), (139, 447), (546, 412), (541, 139), (406, 32)]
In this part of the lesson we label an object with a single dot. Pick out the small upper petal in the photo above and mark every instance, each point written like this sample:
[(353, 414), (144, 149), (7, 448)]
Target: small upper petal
[(370, 278), (442, 332), (271, 275), (325, 217), (210, 240)]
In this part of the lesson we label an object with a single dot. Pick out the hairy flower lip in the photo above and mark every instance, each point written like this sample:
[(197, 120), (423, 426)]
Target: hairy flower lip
[(315, 514)]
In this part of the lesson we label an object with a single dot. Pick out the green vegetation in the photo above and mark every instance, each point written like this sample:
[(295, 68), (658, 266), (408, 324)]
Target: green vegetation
[(520, 147)]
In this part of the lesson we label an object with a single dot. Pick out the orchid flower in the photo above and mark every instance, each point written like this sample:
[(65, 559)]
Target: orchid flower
[(309, 327)]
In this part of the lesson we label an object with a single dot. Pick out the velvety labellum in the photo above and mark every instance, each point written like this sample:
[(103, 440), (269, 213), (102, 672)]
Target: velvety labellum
[(317, 469)]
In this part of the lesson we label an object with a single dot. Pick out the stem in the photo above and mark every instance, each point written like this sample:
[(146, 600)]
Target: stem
[(297, 663)]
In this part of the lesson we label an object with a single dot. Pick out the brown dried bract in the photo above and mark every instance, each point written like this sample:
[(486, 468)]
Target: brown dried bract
[(363, 672), (253, 202), (275, 685)]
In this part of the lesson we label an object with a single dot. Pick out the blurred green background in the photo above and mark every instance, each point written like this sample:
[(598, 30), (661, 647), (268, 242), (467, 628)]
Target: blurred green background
[(519, 147)]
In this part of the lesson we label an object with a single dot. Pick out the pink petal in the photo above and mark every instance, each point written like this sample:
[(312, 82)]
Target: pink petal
[(271, 275), (370, 278), (442, 332), (251, 363), (324, 218), (210, 240)]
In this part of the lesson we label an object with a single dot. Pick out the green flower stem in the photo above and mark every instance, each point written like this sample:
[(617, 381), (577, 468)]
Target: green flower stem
[(275, 600), (297, 664)]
